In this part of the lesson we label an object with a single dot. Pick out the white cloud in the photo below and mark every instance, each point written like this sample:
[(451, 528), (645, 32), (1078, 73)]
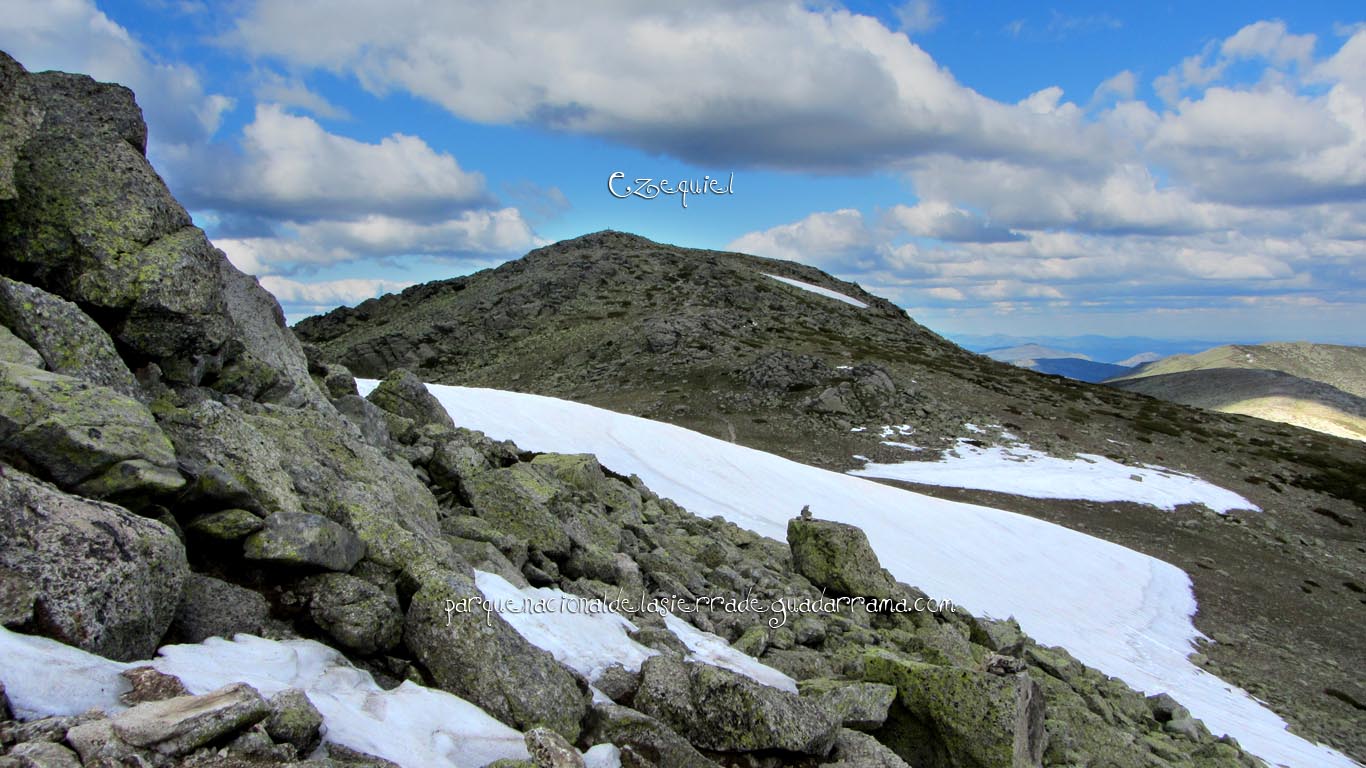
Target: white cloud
[(471, 236), (1121, 85), (1221, 265), (766, 83), (291, 167), (834, 240), (329, 293), (944, 221), (919, 15), (1269, 40), (272, 87)]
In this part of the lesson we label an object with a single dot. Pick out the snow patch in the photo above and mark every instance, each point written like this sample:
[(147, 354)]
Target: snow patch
[(588, 637), (410, 725), (1023, 471), (826, 292)]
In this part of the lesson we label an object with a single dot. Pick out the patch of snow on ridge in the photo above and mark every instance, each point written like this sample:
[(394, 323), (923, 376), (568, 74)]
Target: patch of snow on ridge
[(1127, 614), (1024, 471), (411, 725), (826, 292)]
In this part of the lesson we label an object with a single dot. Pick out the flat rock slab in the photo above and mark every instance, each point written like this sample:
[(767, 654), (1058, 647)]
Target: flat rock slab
[(180, 725)]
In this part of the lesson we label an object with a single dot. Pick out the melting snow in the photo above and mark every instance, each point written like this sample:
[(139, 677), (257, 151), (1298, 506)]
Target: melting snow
[(836, 295), (587, 637), (1120, 611), (1024, 471), (410, 725)]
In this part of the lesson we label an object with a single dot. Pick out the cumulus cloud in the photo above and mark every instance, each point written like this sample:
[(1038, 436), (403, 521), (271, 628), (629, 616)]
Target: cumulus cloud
[(1052, 268), (1121, 86), (473, 236), (329, 293), (291, 92), (292, 167), (838, 240), (944, 221), (759, 84), (1269, 40)]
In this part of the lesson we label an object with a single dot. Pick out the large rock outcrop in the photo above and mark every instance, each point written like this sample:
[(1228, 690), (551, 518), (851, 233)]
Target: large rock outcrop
[(84, 216)]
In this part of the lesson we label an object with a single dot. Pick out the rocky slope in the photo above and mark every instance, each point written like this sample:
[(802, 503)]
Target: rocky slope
[(176, 467), (1315, 386), (708, 340)]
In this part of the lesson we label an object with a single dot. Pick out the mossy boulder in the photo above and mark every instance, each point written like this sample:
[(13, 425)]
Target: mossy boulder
[(479, 657), (857, 704), (838, 557), (303, 539), (107, 581), (959, 717), (359, 615), (403, 394), (294, 720), (211, 607), (516, 500), (229, 461), (84, 437), (226, 524), (15, 350), (642, 735), (278, 459), (725, 711), (855, 749), (67, 339)]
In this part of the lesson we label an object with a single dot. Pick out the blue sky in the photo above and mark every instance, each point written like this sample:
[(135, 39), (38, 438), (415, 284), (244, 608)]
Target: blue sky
[(1181, 170)]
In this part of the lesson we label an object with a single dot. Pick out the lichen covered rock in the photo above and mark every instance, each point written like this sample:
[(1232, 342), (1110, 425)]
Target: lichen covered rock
[(479, 657), (68, 341), (973, 716), (357, 614), (84, 216), (86, 438), (837, 556), (299, 538), (728, 712), (211, 607), (108, 581), (403, 394)]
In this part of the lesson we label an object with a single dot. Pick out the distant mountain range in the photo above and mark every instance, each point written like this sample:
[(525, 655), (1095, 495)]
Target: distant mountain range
[(1057, 362), (1120, 350)]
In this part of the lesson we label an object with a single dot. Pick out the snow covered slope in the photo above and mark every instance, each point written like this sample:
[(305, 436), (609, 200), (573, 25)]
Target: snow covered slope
[(1122, 612)]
